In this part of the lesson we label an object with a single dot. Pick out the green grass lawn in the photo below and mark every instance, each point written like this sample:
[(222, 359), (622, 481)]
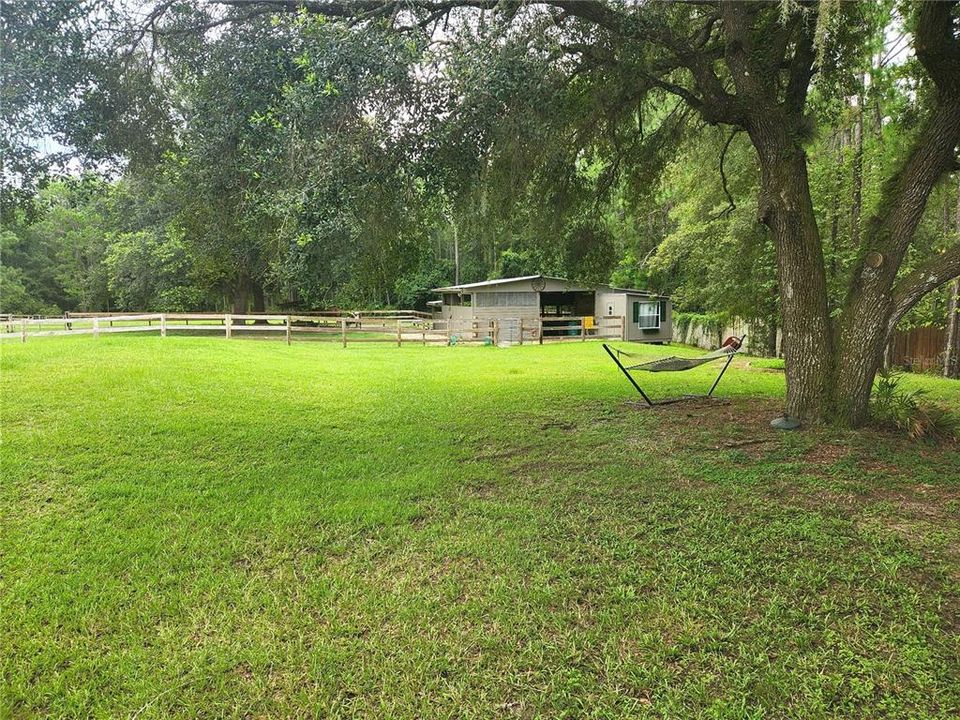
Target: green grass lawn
[(199, 528)]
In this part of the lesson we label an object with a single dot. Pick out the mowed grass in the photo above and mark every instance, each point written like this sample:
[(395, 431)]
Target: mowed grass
[(199, 528)]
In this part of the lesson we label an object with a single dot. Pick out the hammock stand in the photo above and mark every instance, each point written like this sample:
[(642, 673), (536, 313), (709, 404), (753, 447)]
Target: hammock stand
[(730, 347)]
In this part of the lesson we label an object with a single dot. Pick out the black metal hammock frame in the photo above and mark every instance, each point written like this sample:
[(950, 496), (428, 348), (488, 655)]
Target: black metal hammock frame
[(730, 347)]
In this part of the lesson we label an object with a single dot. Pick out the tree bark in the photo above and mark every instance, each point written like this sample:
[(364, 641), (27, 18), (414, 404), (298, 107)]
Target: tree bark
[(951, 355), (857, 205), (259, 303), (241, 296), (786, 208)]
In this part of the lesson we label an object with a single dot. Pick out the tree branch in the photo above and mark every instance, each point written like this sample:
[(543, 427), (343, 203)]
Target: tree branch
[(801, 70), (723, 177), (937, 48), (159, 32), (925, 279), (594, 11), (147, 26), (710, 98)]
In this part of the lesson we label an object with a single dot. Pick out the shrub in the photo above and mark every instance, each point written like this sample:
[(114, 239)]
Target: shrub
[(902, 409)]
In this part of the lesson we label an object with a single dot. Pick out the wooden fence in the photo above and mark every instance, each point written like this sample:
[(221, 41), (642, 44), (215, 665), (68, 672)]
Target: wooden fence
[(363, 327), (349, 314), (919, 349)]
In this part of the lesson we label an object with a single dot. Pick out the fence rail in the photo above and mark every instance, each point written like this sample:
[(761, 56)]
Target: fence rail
[(352, 314), (366, 327)]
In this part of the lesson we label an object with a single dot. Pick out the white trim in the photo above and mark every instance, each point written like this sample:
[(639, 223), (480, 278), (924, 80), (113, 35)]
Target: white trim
[(642, 315)]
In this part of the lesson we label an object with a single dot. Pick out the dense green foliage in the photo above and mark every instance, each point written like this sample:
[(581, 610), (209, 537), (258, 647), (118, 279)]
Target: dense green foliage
[(255, 157), (456, 531)]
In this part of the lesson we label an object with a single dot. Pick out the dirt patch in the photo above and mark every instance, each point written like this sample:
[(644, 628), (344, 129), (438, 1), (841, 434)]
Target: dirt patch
[(558, 424), (752, 413), (914, 500), (825, 454), (713, 424), (875, 466), (496, 452), (480, 490), (244, 671)]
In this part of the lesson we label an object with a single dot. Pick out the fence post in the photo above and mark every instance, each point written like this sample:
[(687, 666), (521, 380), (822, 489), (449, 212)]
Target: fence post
[(540, 330), (288, 329), (520, 334), (496, 331), (424, 327), (583, 329), (228, 325), (399, 338), (343, 331), (623, 328), (96, 327), (449, 330), (23, 330), (163, 325)]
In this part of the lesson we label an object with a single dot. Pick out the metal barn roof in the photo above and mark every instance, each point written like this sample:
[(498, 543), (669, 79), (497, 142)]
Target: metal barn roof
[(502, 281)]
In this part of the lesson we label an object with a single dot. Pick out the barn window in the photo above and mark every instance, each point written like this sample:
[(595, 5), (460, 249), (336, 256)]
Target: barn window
[(647, 315), (456, 299), (506, 299)]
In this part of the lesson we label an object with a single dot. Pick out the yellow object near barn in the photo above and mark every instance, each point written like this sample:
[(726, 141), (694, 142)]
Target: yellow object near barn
[(588, 322)]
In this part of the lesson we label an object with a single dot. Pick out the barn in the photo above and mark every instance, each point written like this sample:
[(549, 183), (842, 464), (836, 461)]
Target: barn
[(540, 300)]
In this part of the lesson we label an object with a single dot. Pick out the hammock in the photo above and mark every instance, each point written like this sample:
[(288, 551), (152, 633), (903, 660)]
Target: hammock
[(731, 346)]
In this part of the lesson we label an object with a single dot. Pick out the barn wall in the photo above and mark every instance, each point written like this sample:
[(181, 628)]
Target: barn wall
[(456, 312), (507, 311), (665, 334), (607, 299)]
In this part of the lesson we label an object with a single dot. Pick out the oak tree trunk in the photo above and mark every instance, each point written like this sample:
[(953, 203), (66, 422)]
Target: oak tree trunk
[(857, 205), (259, 303), (772, 336), (241, 296), (951, 355), (787, 210), (951, 348)]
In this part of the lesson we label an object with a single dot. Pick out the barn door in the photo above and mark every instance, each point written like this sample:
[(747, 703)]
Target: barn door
[(509, 330)]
